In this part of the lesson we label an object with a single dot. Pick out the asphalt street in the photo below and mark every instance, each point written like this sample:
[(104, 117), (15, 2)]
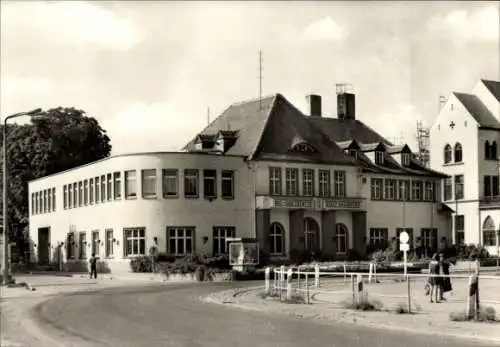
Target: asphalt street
[(174, 316)]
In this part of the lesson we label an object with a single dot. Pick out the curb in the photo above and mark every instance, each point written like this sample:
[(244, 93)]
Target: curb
[(211, 299)]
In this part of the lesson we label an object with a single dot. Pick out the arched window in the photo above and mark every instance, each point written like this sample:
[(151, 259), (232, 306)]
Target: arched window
[(342, 238), (494, 150), (447, 154), (311, 234), (277, 239), (489, 232), (458, 153), (487, 150)]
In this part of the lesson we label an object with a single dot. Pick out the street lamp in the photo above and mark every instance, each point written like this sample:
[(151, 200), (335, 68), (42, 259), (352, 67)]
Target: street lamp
[(6, 262)]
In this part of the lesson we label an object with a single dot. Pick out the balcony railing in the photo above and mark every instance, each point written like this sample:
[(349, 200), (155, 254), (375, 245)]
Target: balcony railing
[(311, 203), (490, 201)]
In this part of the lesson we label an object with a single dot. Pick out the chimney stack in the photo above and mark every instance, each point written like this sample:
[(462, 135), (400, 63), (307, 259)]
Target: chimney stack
[(314, 105), (346, 102)]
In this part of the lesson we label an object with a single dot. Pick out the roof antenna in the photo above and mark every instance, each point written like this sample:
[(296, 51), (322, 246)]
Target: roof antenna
[(208, 116), (260, 80)]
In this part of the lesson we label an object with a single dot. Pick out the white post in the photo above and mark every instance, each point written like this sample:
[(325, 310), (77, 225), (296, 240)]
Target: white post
[(375, 272), (359, 288), (345, 273), (405, 260), (471, 297), (266, 278), (370, 273), (289, 284), (316, 275), (282, 280)]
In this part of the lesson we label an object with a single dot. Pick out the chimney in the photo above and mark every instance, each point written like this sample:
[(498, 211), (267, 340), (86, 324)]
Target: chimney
[(314, 105), (346, 102)]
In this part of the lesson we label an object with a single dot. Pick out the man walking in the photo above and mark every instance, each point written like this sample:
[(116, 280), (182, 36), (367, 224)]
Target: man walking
[(93, 266)]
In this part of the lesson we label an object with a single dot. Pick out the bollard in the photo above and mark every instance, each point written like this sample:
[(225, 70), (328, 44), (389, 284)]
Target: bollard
[(353, 287), (375, 272), (409, 293), (478, 266), (472, 302), (289, 284), (266, 279), (370, 273), (316, 275), (307, 288), (282, 281), (345, 273), (359, 288)]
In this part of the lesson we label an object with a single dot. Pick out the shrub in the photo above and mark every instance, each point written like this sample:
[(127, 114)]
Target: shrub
[(220, 262), (141, 264), (199, 274), (403, 309), (485, 315), (165, 258), (365, 305), (353, 255)]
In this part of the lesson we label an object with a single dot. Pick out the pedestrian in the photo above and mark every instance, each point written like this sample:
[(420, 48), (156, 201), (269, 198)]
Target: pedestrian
[(434, 280), (153, 254), (446, 280), (93, 266)]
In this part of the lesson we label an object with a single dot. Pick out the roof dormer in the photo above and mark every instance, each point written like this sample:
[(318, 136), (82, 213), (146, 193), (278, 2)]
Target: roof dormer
[(205, 142), (299, 145), (402, 154), (225, 140), (377, 152), (350, 148)]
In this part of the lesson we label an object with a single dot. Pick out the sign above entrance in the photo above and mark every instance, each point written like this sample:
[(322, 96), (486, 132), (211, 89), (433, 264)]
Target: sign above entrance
[(318, 204)]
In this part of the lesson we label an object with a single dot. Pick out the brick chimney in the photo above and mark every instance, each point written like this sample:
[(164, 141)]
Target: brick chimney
[(346, 102), (314, 105)]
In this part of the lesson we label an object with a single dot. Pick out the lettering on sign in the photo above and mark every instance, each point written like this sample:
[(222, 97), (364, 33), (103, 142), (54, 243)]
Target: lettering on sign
[(302, 203), (331, 203)]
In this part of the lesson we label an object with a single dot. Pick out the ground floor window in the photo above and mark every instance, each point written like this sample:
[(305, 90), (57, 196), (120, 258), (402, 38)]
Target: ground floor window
[(429, 238), (277, 239), (95, 242), (135, 241), (109, 243), (378, 238), (220, 234), (70, 246), (489, 237), (180, 240), (341, 236), (311, 234), (82, 243)]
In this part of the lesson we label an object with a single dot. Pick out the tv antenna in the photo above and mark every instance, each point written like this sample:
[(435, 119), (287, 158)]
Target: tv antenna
[(260, 80)]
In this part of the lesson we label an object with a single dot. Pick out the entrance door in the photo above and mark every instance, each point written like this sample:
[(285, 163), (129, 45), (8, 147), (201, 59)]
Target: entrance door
[(43, 246)]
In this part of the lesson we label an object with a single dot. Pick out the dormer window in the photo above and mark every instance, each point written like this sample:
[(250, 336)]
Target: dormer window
[(379, 157), (353, 153), (405, 159), (304, 148)]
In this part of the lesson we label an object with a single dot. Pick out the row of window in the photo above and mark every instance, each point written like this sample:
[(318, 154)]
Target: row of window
[(490, 150), (455, 154), (180, 241), (380, 156), (394, 189), (43, 201), (379, 237), (109, 187), (309, 182), (491, 187)]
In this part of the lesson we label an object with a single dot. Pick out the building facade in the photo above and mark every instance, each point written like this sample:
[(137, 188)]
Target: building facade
[(262, 169), (464, 143)]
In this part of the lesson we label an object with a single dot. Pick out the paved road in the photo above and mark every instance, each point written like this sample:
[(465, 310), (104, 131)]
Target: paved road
[(174, 316)]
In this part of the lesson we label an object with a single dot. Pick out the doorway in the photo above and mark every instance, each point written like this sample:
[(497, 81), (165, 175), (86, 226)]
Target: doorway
[(43, 246)]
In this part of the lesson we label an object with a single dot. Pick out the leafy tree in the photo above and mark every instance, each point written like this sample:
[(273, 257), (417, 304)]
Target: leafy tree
[(56, 140)]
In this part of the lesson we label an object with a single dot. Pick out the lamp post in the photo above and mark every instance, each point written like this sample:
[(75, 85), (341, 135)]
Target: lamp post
[(6, 256)]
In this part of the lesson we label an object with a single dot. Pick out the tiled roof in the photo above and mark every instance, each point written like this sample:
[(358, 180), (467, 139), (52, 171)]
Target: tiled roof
[(493, 87), (369, 147), (478, 110), (398, 149)]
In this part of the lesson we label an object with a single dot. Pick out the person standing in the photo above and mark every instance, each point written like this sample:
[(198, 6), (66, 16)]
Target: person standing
[(434, 279), (93, 266), (444, 266)]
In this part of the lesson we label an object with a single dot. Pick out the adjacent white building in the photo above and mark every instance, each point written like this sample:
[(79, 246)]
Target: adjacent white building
[(464, 143), (262, 169)]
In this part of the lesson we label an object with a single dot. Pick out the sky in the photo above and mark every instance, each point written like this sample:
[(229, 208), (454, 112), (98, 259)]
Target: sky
[(150, 71)]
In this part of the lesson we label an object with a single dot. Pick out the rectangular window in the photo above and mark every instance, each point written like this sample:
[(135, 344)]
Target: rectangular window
[(180, 240), (70, 196), (33, 202), (191, 182), (148, 183), (86, 192), (227, 184), (324, 183), (82, 245), (170, 183), (210, 183), (91, 191), (95, 242), (379, 158), (220, 234), (109, 243), (403, 190), (459, 229), (489, 238), (70, 246), (275, 181), (429, 238), (459, 187), (97, 189), (40, 202), (376, 188), (291, 181), (308, 182), (53, 199), (103, 188), (130, 184), (339, 177), (135, 241), (416, 190), (109, 186), (486, 186), (448, 189), (65, 196), (117, 185), (44, 201), (80, 194), (49, 200), (37, 208), (429, 191), (495, 186), (378, 238), (390, 189)]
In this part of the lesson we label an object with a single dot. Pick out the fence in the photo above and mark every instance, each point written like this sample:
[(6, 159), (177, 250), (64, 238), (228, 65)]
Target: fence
[(394, 290)]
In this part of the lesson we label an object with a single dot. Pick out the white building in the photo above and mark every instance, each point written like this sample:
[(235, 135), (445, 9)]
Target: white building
[(262, 169), (464, 143)]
